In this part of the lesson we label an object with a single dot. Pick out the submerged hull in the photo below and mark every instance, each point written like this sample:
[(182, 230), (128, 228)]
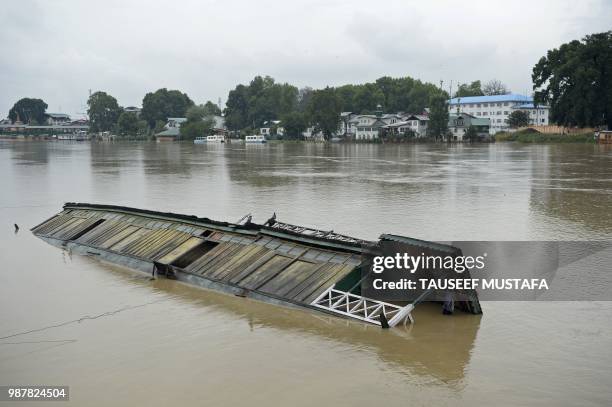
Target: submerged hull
[(277, 263)]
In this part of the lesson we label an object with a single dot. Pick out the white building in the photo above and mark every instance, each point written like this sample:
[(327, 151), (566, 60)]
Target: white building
[(497, 109), (132, 109), (268, 126), (54, 119), (368, 126)]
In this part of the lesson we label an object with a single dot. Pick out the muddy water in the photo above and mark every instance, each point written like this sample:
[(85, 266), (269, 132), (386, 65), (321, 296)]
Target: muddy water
[(117, 338)]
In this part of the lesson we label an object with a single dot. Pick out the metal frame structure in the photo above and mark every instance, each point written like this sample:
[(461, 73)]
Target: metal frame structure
[(311, 232), (362, 308)]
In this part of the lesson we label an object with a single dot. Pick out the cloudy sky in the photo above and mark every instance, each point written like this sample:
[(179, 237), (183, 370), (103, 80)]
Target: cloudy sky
[(58, 50)]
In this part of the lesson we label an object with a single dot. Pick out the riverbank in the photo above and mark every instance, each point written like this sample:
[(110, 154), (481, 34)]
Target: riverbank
[(533, 137)]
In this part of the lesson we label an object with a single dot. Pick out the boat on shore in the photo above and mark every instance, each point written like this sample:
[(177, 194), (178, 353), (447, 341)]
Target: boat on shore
[(275, 262), (257, 139), (209, 139)]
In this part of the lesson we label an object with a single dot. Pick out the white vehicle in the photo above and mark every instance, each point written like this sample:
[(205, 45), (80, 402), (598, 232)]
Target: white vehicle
[(209, 139), (259, 139)]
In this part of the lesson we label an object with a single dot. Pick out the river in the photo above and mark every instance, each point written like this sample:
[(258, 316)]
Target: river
[(117, 338)]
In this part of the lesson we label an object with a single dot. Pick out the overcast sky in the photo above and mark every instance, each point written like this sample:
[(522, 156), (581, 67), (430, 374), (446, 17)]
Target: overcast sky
[(58, 50)]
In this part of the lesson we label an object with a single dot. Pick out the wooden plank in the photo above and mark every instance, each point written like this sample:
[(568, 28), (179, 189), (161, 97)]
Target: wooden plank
[(171, 245), (135, 235), (114, 239), (180, 250), (265, 272), (67, 230), (56, 229), (207, 257), (318, 281), (258, 263), (244, 252), (344, 270), (212, 266), (290, 277), (244, 263)]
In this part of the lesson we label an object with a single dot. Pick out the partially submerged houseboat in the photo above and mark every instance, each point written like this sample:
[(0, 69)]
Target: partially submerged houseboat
[(275, 262)]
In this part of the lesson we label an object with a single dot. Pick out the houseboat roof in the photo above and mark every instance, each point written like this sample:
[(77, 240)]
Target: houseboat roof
[(275, 262)]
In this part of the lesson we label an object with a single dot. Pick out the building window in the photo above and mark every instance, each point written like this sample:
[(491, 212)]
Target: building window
[(505, 103), (505, 112), (485, 104)]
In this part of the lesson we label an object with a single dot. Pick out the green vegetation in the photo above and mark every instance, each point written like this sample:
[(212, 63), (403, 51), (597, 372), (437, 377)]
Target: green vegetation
[(199, 122), (260, 101), (495, 87), (164, 103), (473, 89), (471, 134), (535, 137), (438, 116), (249, 106), (575, 81), (518, 118), (324, 110), (294, 124), (103, 111), (29, 111), (492, 87)]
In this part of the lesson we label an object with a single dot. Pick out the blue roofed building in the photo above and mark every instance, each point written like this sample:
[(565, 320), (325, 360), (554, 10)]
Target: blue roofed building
[(497, 108)]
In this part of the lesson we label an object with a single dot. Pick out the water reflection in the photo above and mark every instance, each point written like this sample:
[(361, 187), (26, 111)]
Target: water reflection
[(437, 347)]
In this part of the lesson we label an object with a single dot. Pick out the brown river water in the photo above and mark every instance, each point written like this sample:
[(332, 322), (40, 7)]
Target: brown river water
[(117, 338)]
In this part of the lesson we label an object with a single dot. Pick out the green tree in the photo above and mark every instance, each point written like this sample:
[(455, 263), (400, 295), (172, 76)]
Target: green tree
[(212, 109), (237, 108), (303, 99), (438, 116), (518, 118), (473, 89), (164, 103), (191, 129), (575, 80), (367, 97), (495, 87), (471, 134), (200, 122), (28, 110), (128, 124), (325, 108), (197, 113), (143, 127), (261, 100), (103, 111), (294, 124)]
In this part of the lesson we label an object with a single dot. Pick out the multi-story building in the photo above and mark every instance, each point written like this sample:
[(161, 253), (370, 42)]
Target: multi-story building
[(497, 109), (54, 119)]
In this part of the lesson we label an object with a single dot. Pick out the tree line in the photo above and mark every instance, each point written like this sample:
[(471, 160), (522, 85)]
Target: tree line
[(249, 106), (574, 80)]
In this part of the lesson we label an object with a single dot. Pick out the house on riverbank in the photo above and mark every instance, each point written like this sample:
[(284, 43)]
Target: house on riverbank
[(497, 108), (458, 125), (172, 128)]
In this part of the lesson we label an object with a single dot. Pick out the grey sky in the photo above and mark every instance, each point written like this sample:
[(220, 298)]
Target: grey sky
[(57, 50)]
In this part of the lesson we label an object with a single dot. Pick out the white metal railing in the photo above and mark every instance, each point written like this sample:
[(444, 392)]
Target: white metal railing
[(365, 309)]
